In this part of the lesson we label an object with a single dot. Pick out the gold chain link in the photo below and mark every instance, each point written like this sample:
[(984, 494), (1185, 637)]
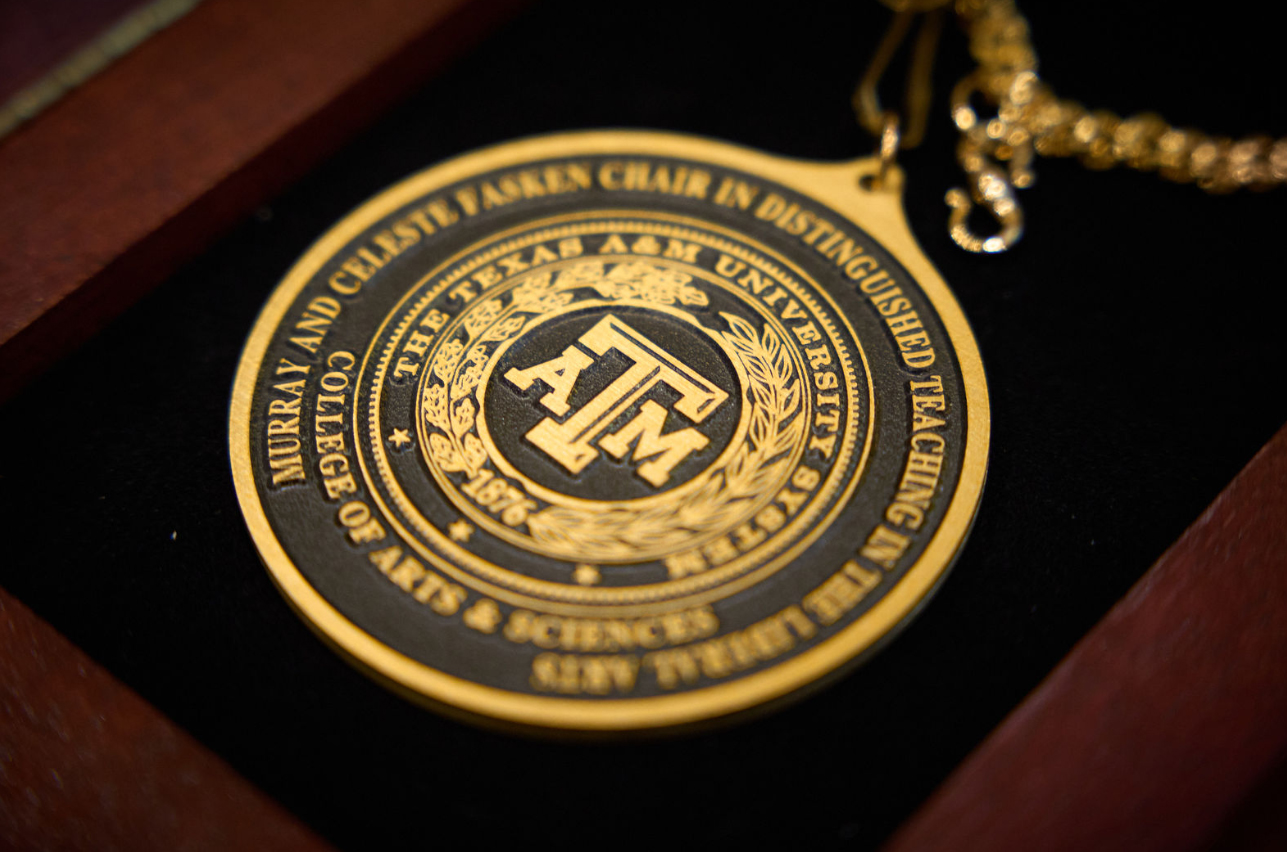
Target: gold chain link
[(1030, 115), (1031, 119)]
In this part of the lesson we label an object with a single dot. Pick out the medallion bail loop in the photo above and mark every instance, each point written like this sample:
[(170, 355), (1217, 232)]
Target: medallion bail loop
[(889, 143), (918, 88)]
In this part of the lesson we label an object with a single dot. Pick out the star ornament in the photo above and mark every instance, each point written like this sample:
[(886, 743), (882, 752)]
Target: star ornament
[(586, 575), (399, 438), (460, 530)]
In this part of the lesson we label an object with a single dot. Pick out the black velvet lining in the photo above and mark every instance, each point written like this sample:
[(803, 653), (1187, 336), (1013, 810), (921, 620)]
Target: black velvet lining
[(1133, 354)]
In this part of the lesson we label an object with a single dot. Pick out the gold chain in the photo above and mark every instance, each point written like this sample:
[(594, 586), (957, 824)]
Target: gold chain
[(1031, 119)]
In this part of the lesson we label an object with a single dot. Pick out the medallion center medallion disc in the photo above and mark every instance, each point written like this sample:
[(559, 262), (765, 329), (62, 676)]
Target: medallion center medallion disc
[(611, 430)]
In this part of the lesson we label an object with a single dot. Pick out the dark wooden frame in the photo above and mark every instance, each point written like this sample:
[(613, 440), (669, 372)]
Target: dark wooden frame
[(1149, 735), (243, 97)]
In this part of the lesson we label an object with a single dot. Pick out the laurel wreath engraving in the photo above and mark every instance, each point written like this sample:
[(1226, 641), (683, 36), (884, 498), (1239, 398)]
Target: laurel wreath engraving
[(622, 533), (748, 477)]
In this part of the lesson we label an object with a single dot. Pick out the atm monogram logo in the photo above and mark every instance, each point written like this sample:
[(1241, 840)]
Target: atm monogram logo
[(627, 403), (570, 443)]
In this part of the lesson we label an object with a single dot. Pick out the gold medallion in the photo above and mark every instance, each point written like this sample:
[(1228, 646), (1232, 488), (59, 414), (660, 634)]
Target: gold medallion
[(612, 430)]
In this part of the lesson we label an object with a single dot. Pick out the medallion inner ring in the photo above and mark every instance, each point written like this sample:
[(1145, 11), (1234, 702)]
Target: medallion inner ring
[(800, 528), (501, 459)]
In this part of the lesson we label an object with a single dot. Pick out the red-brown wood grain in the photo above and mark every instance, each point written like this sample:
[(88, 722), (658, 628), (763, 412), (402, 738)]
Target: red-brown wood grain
[(85, 764), (1162, 720), (134, 172)]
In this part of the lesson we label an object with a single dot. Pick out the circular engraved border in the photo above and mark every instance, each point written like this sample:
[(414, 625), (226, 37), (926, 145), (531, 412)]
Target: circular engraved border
[(507, 468), (573, 600), (563, 599), (832, 185)]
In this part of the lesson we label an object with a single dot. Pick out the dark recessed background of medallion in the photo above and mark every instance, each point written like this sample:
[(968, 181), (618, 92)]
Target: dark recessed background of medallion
[(511, 413), (1130, 342)]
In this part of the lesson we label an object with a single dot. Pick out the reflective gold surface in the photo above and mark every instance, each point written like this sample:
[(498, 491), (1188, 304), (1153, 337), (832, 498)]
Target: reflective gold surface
[(685, 642)]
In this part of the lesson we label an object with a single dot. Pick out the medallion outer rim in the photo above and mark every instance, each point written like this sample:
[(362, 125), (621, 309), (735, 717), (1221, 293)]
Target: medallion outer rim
[(833, 184)]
